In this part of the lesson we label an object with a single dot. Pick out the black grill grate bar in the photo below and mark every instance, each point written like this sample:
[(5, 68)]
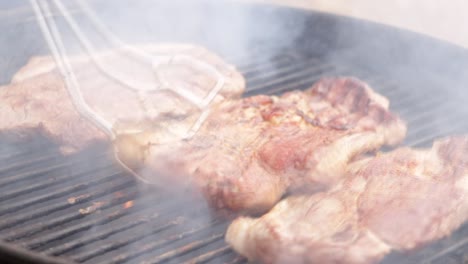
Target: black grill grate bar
[(228, 258), (112, 209), (287, 78), (428, 139), (273, 78), (34, 172), (184, 249), (302, 83), (46, 183), (411, 99), (421, 117), (299, 85), (159, 242), (332, 70), (123, 224), (395, 92), (288, 69), (26, 161), (250, 65), (251, 72), (19, 150), (423, 137), (210, 255), (40, 211), (29, 230), (169, 220), (96, 237), (238, 58), (238, 260), (374, 80), (205, 249), (289, 82), (44, 169), (392, 92), (390, 89), (446, 251), (424, 108), (14, 206), (387, 87), (419, 126), (173, 247), (85, 256)]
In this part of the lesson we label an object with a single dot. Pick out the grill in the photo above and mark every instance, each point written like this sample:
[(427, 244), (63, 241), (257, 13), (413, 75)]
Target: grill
[(85, 209)]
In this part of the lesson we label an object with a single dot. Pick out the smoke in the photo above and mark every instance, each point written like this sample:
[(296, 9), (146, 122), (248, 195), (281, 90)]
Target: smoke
[(399, 63), (244, 33), (225, 27), (238, 33)]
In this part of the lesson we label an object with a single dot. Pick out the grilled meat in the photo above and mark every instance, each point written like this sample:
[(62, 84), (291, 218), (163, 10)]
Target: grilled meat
[(37, 98), (246, 155), (249, 152), (396, 201)]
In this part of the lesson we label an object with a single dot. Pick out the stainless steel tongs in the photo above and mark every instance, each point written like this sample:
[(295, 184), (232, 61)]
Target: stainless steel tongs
[(55, 39), (49, 26)]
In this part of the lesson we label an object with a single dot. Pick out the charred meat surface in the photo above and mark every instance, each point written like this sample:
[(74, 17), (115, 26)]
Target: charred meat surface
[(251, 151), (400, 200), (37, 98)]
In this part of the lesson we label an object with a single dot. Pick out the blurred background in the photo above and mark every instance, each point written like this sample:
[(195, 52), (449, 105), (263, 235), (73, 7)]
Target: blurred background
[(445, 20)]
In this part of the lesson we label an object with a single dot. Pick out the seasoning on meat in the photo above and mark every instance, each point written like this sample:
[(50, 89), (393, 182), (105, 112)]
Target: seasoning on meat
[(249, 152), (400, 200)]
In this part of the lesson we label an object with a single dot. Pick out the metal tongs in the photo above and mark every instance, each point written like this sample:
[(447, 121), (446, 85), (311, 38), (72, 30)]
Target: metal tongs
[(55, 40)]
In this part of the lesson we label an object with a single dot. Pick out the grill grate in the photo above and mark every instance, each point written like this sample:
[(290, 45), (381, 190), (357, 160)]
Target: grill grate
[(83, 208)]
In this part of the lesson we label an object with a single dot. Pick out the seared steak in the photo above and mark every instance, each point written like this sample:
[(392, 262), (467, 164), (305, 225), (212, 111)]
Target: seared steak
[(249, 152), (395, 201)]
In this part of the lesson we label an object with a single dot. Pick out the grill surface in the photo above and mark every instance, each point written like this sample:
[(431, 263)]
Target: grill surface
[(85, 209)]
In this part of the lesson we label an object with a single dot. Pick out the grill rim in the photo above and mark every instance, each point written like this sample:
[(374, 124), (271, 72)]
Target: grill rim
[(12, 253), (23, 255)]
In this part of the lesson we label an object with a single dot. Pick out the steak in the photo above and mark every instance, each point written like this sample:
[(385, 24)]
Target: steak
[(249, 152), (399, 201), (37, 99), (246, 155)]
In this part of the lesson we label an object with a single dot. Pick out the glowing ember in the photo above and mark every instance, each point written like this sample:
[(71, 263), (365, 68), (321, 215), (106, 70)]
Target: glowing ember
[(128, 204), (75, 199)]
